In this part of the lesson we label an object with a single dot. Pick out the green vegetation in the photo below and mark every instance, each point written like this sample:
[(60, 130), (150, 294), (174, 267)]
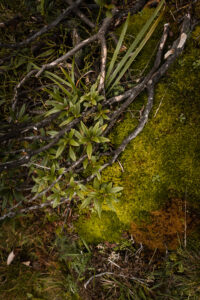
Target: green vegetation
[(131, 230)]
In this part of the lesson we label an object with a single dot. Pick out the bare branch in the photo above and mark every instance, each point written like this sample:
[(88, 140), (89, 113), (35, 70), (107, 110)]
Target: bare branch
[(140, 126), (18, 86)]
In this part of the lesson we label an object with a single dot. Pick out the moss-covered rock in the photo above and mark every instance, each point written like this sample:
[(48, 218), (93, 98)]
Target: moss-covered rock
[(162, 163)]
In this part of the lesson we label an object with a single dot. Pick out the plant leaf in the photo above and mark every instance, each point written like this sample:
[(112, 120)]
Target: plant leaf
[(85, 203), (66, 121), (72, 154), (60, 150), (133, 46), (73, 143), (116, 189), (118, 47), (98, 207), (89, 150)]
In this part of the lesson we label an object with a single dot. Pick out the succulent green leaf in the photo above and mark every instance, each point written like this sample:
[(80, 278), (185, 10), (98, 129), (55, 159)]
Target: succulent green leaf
[(66, 121), (72, 154), (85, 163), (85, 203), (60, 150), (52, 111), (53, 168), (84, 128), (96, 183), (73, 143), (116, 189), (78, 135), (98, 207), (89, 150)]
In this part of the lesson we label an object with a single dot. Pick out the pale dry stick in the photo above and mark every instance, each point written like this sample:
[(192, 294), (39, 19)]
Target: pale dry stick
[(139, 250), (39, 166), (45, 28), (103, 64), (120, 165), (95, 276), (142, 281), (160, 104), (151, 259), (113, 263)]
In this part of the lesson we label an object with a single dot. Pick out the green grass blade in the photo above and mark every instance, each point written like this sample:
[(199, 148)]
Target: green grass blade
[(118, 47), (72, 72), (69, 79), (137, 51), (58, 78), (65, 91), (135, 43)]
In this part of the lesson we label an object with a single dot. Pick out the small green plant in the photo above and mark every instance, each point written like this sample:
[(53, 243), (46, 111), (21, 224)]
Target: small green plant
[(87, 136), (100, 193)]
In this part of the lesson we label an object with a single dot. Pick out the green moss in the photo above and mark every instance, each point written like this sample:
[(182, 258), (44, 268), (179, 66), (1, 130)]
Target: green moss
[(163, 161), (95, 230)]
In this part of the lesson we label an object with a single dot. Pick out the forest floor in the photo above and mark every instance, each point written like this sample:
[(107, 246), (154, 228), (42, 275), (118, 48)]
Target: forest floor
[(41, 254)]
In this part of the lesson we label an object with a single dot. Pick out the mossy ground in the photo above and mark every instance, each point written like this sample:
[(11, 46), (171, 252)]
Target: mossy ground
[(162, 163)]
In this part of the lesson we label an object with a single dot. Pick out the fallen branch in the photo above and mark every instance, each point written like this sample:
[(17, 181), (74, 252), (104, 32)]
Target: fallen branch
[(140, 126)]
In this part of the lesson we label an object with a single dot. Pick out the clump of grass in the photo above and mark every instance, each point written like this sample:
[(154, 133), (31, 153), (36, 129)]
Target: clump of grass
[(43, 267)]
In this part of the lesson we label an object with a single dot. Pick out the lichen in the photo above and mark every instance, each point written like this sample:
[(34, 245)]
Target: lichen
[(162, 163)]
